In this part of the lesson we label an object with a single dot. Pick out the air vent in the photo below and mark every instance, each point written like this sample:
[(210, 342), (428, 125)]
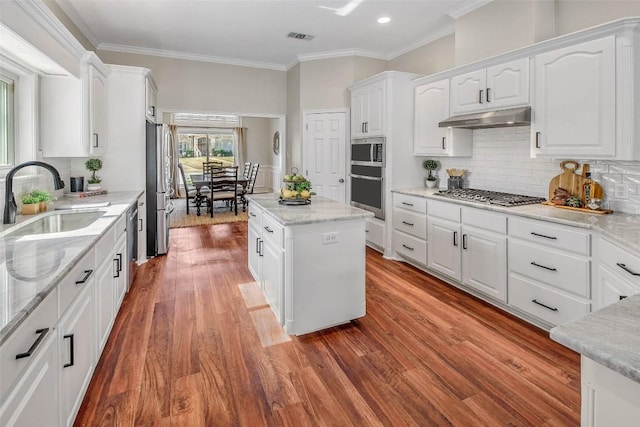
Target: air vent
[(300, 36)]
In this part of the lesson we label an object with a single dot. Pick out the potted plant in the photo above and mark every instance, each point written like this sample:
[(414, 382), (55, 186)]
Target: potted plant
[(30, 205), (430, 165), (93, 165), (43, 197)]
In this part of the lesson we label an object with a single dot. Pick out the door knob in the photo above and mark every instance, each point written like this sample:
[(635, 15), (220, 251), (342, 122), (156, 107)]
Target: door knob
[(341, 180)]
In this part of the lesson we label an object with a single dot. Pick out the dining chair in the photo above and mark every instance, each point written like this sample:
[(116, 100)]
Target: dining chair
[(227, 190), (189, 189), (206, 166), (251, 181), (247, 169)]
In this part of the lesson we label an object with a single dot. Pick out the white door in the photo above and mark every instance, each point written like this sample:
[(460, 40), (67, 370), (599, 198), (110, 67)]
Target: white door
[(325, 153)]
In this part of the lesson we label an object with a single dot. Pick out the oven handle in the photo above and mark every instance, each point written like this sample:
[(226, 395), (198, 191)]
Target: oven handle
[(370, 178)]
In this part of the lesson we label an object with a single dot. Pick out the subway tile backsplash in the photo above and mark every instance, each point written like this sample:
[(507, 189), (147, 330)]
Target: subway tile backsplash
[(501, 162)]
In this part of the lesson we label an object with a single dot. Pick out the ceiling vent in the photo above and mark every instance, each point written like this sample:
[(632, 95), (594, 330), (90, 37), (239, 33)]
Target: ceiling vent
[(301, 36)]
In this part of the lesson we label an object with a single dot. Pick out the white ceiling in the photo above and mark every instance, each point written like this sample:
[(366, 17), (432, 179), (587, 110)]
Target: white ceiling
[(253, 32)]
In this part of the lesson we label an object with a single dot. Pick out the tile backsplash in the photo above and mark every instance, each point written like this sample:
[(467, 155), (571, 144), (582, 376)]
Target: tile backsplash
[(501, 162)]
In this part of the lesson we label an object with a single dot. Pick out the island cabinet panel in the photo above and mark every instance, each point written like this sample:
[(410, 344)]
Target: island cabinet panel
[(375, 230)]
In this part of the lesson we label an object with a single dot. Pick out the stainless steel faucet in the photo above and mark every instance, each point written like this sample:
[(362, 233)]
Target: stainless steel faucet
[(10, 206)]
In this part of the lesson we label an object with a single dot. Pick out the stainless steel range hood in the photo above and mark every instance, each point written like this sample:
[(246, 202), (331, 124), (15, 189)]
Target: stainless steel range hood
[(490, 119)]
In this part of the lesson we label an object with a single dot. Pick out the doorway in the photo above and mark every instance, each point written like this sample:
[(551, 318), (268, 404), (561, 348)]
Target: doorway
[(324, 153)]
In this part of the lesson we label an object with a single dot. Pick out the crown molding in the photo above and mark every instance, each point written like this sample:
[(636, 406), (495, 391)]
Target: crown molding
[(77, 20), (450, 29), (468, 7), (189, 56), (340, 53)]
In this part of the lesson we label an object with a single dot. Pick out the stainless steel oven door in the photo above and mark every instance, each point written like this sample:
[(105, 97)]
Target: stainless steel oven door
[(368, 152), (367, 190)]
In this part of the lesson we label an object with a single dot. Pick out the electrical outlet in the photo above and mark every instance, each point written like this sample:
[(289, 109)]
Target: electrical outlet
[(330, 237), (622, 191)]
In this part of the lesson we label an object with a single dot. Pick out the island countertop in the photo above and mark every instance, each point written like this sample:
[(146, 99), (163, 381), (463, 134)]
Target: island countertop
[(321, 209), (608, 336)]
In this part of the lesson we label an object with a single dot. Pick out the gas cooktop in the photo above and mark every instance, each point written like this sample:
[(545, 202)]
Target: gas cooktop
[(489, 197)]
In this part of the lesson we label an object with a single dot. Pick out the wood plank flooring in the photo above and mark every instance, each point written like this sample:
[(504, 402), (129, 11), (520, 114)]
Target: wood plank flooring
[(195, 345)]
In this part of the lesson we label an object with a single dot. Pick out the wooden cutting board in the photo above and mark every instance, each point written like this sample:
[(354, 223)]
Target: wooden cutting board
[(571, 181)]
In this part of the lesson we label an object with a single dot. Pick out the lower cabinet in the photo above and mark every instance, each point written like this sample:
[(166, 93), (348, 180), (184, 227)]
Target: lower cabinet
[(618, 274), (272, 276), (374, 229)]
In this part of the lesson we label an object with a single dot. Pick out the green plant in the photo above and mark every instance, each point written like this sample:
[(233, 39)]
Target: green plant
[(94, 165), (41, 195), (28, 199), (430, 165)]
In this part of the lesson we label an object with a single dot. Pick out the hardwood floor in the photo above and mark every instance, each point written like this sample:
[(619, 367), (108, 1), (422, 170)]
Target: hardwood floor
[(195, 345)]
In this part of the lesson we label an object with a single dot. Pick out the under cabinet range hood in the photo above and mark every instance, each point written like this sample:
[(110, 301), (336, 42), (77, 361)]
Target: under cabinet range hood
[(520, 116)]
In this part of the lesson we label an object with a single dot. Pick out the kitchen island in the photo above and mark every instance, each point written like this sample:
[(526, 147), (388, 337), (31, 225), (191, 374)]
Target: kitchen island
[(309, 261)]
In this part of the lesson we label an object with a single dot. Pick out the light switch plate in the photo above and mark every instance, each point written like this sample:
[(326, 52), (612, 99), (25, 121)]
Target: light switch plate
[(622, 191)]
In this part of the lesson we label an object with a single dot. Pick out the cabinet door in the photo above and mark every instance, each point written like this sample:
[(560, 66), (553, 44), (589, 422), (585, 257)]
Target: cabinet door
[(431, 104), (120, 279), (574, 112), (358, 113), (98, 112), (254, 248), (484, 262), (35, 400), (273, 277), (612, 288), (142, 229), (467, 92), (77, 350), (444, 247), (508, 84), (375, 110), (105, 301), (150, 100)]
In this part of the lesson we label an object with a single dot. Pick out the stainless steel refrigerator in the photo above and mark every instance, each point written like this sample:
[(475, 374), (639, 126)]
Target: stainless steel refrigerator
[(159, 206)]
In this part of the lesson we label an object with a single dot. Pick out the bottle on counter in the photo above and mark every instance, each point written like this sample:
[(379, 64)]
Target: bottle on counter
[(588, 189)]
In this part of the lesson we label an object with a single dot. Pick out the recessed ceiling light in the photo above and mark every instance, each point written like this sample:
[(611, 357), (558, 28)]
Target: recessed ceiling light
[(384, 20)]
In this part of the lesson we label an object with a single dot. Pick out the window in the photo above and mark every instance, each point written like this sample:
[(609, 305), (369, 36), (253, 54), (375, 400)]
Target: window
[(7, 115), (198, 145)]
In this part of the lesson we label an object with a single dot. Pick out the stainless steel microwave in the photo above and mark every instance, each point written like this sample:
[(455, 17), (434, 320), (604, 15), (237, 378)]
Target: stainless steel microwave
[(367, 152)]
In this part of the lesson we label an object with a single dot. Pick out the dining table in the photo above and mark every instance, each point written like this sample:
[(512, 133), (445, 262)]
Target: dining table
[(200, 180)]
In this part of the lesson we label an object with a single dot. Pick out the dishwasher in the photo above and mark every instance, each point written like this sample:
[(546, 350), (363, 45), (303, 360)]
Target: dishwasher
[(132, 241)]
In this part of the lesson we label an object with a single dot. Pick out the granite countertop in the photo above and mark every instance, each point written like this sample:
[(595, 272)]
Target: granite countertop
[(608, 336), (320, 209), (620, 228), (32, 265)]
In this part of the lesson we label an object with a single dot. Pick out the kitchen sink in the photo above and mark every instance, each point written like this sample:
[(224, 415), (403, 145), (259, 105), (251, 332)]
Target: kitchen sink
[(57, 222)]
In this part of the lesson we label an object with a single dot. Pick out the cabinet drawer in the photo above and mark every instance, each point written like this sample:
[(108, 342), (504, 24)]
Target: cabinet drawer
[(410, 247), (73, 282), (273, 231), (554, 236), (255, 214), (121, 225), (544, 303), (23, 338), (410, 222), (622, 262), (448, 211), (374, 231), (562, 270), (104, 247), (485, 220), (412, 203)]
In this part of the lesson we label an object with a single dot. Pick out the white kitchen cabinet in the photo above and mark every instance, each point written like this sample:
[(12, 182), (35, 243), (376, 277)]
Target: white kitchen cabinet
[(272, 275), (608, 398), (618, 274), (121, 279), (484, 261), (141, 257), (77, 352), (496, 87), (431, 106), (444, 247), (151, 112), (105, 298), (410, 227), (375, 231), (254, 249), (73, 112), (368, 110), (574, 110)]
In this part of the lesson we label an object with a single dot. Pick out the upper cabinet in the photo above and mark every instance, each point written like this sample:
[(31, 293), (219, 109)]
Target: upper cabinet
[(150, 100), (73, 112), (431, 106), (492, 88), (368, 110)]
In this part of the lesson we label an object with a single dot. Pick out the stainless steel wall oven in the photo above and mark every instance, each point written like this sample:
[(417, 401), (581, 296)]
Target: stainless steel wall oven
[(367, 175)]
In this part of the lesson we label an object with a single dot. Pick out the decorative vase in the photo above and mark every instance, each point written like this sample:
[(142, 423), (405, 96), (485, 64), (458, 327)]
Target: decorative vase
[(31, 209), (430, 183), (93, 187)]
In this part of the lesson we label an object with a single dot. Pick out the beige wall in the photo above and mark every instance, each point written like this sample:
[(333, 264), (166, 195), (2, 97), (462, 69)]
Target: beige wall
[(209, 87), (367, 67), (428, 59), (259, 139), (577, 15)]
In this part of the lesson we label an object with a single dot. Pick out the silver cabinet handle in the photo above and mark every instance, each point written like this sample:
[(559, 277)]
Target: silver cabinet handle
[(488, 93), (444, 140), (96, 143), (464, 241), (455, 238), (407, 204)]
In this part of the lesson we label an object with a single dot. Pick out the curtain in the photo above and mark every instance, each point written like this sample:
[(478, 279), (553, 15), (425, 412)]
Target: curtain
[(240, 145), (174, 158)]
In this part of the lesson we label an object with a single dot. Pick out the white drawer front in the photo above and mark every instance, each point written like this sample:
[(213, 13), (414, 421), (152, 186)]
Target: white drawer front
[(622, 262), (564, 271), (448, 211), (412, 203), (121, 225), (374, 232), (410, 247), (273, 231), (410, 222), (485, 220), (73, 283), (551, 235), (255, 214), (23, 338), (544, 303), (104, 247)]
